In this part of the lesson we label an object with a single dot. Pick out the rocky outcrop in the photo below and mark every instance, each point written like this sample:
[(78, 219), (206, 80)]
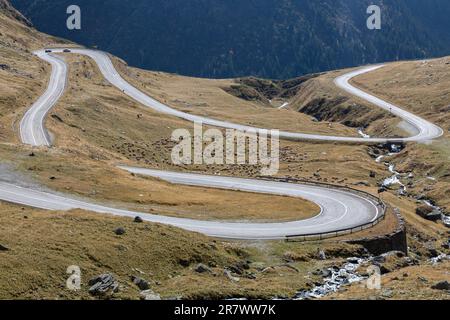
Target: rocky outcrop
[(201, 268), (429, 213), (340, 109), (391, 261), (255, 89), (103, 285), (395, 241), (443, 285), (140, 283)]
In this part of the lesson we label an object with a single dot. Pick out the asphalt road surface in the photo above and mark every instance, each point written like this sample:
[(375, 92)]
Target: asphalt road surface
[(425, 130), (339, 209)]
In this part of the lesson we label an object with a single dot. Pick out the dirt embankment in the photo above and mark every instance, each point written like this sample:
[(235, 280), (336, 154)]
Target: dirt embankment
[(265, 90)]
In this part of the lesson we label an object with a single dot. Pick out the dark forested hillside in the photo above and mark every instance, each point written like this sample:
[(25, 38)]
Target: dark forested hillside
[(266, 38)]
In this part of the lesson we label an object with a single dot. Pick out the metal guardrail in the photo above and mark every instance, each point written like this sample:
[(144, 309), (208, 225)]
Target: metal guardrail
[(337, 233)]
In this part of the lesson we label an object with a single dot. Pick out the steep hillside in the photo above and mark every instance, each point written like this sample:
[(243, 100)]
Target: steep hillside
[(23, 77), (96, 126), (265, 38), (8, 10)]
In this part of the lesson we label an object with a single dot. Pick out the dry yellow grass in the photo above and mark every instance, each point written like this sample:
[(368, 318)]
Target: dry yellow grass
[(422, 87), (100, 127), (97, 122), (100, 183), (43, 244), (96, 127), (94, 124), (207, 97)]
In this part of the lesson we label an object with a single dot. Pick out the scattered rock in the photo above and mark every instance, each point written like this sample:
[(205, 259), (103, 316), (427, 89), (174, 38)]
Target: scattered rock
[(372, 174), (243, 265), (141, 283), (3, 248), (325, 273), (428, 213), (353, 260), (435, 215), (321, 255), (423, 279), (138, 219), (149, 295), (227, 273), (432, 252), (239, 267), (119, 231), (201, 268), (387, 293), (236, 269), (31, 154), (103, 284), (184, 262), (442, 285), (446, 245), (56, 117)]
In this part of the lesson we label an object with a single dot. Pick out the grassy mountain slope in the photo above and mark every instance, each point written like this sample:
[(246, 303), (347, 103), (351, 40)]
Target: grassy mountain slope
[(90, 124)]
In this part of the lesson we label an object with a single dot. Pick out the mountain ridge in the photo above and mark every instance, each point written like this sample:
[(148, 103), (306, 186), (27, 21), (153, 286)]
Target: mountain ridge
[(7, 9), (266, 38)]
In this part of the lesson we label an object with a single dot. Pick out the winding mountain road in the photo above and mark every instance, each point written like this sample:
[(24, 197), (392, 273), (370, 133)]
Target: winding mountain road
[(340, 209), (426, 130), (32, 129)]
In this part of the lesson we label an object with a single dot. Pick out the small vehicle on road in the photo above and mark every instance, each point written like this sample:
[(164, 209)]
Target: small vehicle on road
[(66, 50), (48, 51)]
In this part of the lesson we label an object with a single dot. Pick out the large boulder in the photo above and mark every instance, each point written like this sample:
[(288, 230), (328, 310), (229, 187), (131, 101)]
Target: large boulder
[(119, 231), (201, 268), (442, 285), (429, 213), (103, 284), (140, 283), (423, 211), (149, 295)]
